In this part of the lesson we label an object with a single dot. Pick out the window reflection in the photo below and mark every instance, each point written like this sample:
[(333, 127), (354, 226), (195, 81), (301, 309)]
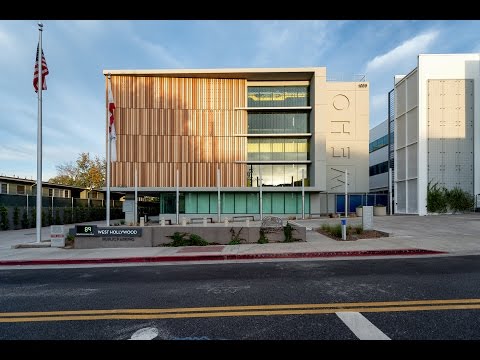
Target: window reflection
[(282, 175), (278, 96)]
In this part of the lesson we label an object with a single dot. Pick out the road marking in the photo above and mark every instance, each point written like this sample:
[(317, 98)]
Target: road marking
[(245, 310), (145, 334), (361, 326)]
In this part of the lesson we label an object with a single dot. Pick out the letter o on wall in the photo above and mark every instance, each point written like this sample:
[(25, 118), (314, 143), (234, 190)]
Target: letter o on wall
[(341, 102)]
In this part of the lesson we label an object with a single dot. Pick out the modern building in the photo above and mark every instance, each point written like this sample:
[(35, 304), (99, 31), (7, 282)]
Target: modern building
[(436, 141), (378, 158), (269, 141)]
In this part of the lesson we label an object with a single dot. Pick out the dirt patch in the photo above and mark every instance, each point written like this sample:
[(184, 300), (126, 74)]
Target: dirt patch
[(366, 234)]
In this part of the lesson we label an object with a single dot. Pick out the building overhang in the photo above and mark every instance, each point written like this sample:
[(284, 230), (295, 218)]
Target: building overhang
[(250, 74)]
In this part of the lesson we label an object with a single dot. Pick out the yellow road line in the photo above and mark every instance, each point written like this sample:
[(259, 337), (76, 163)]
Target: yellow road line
[(232, 313), (268, 310), (242, 308)]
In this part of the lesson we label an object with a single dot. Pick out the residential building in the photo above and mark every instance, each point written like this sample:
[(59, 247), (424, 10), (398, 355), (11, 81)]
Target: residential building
[(269, 141)]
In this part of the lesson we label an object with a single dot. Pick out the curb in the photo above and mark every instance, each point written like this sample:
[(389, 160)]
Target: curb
[(153, 259)]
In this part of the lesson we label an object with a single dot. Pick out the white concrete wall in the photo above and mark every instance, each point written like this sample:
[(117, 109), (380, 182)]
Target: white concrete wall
[(379, 182), (379, 156), (378, 131)]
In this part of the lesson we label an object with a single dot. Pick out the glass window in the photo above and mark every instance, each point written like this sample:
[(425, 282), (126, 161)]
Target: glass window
[(253, 203), (290, 149), (278, 149), (203, 203), (278, 175), (291, 203), (267, 203), (253, 149), (278, 96), (278, 203), (4, 188), (278, 123), (191, 203), (228, 203), (21, 189), (213, 203), (240, 203), (266, 175)]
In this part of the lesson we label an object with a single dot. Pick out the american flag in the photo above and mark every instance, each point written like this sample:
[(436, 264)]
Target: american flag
[(44, 72)]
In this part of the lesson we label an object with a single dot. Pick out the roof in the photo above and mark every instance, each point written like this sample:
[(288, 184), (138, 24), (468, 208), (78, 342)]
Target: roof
[(34, 182), (252, 74)]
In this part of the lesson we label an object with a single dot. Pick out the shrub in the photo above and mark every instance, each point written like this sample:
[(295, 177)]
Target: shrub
[(57, 217), (180, 239), (67, 216), (459, 200), (25, 222), (4, 225), (334, 230), (33, 217), (16, 218), (197, 240), (358, 229), (262, 239), (288, 230), (436, 198), (69, 240), (235, 238)]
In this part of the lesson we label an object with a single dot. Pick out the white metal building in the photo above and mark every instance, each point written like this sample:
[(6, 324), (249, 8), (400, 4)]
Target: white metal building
[(435, 137)]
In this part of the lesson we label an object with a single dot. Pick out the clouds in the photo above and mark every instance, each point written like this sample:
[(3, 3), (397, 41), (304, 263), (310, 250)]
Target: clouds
[(405, 51), (290, 43), (78, 51)]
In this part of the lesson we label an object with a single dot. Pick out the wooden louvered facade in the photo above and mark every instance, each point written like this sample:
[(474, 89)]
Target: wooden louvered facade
[(165, 123)]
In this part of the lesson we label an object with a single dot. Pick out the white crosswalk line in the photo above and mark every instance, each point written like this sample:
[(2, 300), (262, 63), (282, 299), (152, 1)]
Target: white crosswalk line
[(145, 334), (361, 326)]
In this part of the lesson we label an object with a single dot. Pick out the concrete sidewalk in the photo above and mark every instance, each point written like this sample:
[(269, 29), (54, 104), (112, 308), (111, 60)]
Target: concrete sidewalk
[(436, 235)]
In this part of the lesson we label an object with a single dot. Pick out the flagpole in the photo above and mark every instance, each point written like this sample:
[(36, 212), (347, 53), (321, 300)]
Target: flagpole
[(39, 135), (109, 154)]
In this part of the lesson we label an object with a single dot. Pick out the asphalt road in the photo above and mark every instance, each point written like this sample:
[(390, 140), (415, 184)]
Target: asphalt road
[(372, 299)]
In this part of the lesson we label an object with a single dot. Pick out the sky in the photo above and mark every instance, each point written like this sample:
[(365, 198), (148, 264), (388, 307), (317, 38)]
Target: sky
[(77, 52)]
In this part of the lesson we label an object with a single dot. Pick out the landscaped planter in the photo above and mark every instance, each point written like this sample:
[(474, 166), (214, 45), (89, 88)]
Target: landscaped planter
[(359, 211), (379, 210)]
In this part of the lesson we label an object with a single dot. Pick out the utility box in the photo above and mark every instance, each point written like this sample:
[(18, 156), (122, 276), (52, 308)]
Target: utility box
[(57, 236), (367, 218)]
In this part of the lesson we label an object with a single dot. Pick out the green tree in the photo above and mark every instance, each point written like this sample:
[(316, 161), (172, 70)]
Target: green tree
[(86, 172)]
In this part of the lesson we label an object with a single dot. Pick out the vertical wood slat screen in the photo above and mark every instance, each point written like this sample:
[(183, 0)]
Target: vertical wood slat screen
[(165, 123)]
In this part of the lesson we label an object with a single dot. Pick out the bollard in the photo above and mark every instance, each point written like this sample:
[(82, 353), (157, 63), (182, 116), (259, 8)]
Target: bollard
[(142, 221), (247, 223), (204, 221), (344, 229), (162, 221), (184, 221), (226, 222)]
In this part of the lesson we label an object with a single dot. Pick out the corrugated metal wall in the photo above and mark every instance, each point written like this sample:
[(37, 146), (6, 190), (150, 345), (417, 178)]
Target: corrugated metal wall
[(163, 123)]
